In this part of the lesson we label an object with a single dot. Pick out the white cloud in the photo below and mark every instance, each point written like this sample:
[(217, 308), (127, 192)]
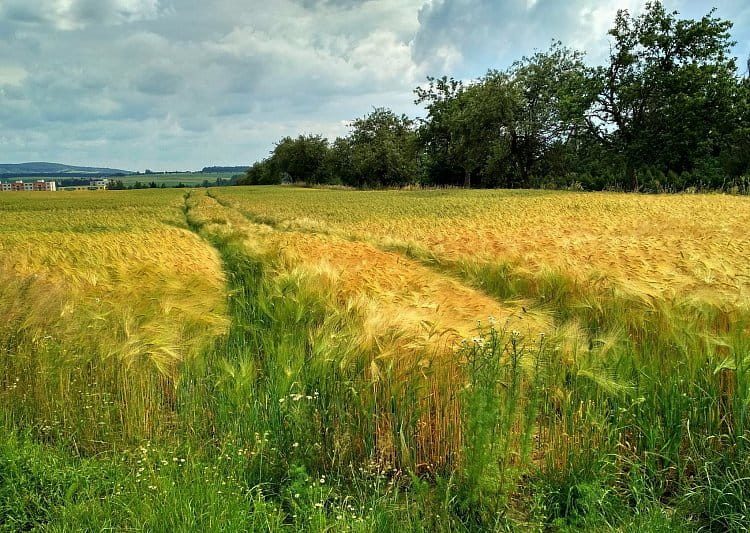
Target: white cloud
[(12, 75)]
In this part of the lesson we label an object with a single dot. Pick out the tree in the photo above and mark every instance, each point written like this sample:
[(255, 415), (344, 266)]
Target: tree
[(735, 153), (663, 97), (302, 159), (552, 94), (499, 129), (380, 151), (260, 173), (464, 124)]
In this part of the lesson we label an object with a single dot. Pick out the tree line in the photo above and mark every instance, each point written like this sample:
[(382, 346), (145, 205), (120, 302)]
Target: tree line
[(119, 185), (668, 111)]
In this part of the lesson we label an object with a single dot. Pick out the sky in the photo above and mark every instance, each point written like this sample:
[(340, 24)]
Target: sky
[(183, 84)]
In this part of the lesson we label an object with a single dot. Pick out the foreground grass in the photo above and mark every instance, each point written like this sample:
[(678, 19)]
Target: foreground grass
[(43, 488), (629, 415)]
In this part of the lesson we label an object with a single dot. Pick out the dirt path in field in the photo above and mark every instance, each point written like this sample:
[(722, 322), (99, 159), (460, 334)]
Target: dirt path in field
[(395, 292)]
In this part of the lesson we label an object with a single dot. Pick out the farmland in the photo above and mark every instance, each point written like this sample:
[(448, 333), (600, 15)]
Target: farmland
[(167, 179), (275, 358), (172, 179)]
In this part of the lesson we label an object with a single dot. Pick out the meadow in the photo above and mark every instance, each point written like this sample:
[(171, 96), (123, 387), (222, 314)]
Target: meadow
[(277, 358), (172, 179)]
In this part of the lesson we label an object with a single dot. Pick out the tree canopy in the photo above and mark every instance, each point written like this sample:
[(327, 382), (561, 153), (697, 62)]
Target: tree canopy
[(668, 110)]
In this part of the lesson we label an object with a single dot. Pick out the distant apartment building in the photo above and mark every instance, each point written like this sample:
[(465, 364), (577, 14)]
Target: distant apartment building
[(38, 185), (22, 186), (42, 185), (101, 183)]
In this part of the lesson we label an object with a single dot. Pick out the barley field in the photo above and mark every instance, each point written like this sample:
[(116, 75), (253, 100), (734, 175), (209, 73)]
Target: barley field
[(658, 245), (102, 299), (277, 358)]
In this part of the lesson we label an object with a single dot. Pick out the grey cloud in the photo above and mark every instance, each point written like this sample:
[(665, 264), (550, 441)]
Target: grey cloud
[(466, 37), (90, 11), (119, 132), (10, 94), (196, 123), (498, 32), (158, 82), (23, 12), (242, 82)]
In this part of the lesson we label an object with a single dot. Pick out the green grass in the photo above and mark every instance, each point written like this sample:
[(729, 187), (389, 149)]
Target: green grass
[(171, 179)]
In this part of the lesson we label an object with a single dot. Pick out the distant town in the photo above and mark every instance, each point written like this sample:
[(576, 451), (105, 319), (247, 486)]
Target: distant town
[(51, 186), (56, 177)]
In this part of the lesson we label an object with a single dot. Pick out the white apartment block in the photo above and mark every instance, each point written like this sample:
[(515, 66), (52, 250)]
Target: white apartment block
[(20, 185)]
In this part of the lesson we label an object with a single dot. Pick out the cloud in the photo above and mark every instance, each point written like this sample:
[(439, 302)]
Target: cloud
[(78, 14), (460, 34), (12, 75), (159, 82)]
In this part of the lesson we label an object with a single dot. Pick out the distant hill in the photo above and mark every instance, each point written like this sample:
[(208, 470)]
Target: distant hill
[(54, 169)]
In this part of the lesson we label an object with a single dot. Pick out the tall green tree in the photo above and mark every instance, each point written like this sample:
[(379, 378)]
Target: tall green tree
[(735, 153), (380, 151), (301, 159), (437, 133), (498, 130), (553, 95), (663, 98), (261, 173), (465, 126)]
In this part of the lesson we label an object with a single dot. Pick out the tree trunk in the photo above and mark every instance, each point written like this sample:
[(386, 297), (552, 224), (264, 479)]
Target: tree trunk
[(631, 177), (467, 179)]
